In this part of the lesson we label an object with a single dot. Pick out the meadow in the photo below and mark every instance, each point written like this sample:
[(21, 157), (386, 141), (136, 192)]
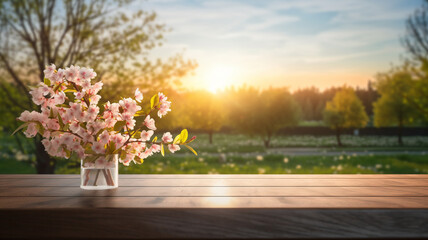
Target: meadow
[(240, 154)]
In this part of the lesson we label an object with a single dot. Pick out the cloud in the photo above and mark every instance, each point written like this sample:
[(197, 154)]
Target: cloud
[(286, 36)]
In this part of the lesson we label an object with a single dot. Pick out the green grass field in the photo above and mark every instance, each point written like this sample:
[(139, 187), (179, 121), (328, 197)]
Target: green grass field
[(239, 154)]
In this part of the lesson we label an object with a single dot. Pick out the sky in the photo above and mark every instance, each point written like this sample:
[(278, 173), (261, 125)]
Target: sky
[(295, 44)]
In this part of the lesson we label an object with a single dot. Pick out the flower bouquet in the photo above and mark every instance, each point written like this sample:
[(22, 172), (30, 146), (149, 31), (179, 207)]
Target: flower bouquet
[(71, 120)]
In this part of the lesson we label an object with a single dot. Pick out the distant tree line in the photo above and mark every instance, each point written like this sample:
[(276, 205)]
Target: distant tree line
[(312, 100)]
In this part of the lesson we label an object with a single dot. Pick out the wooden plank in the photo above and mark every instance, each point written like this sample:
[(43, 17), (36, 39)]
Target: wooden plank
[(228, 176), (214, 224), (213, 202), (227, 182), (217, 192)]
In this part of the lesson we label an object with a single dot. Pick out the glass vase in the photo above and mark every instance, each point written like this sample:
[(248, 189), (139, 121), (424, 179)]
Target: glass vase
[(101, 174)]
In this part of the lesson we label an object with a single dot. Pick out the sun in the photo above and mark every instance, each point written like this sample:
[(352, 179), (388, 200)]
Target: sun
[(220, 77)]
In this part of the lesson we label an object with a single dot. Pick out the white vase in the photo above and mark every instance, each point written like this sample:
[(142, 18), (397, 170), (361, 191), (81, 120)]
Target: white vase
[(101, 174)]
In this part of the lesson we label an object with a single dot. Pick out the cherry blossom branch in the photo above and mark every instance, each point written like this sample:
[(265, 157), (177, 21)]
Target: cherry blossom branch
[(64, 131)]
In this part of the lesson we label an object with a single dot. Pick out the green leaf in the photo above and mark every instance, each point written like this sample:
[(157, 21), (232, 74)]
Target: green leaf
[(176, 139), (51, 114), (89, 151), (122, 155), (40, 128), (136, 134), (67, 152), (92, 158), (47, 81), (70, 90), (119, 125), (191, 149), (162, 150), (139, 120), (183, 135), (61, 123), (143, 112), (20, 127), (111, 147), (154, 100)]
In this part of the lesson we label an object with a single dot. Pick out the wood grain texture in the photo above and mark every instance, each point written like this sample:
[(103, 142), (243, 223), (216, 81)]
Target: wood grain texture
[(216, 207), (217, 192), (228, 176), (207, 182), (213, 202), (214, 224)]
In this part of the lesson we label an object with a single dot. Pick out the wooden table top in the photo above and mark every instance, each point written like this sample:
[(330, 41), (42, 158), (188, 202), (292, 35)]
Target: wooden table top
[(216, 207)]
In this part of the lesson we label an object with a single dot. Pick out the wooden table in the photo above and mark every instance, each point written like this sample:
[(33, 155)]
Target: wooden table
[(216, 207)]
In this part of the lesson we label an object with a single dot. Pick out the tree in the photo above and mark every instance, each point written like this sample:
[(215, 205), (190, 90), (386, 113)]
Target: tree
[(262, 113), (393, 108), (205, 111), (105, 35), (416, 43), (416, 38), (345, 111)]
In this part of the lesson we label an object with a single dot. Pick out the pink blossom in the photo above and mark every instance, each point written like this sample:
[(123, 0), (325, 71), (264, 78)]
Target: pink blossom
[(86, 74), (59, 98), (79, 95), (146, 153), (167, 137), (127, 160), (31, 130), (66, 139), (95, 99), (129, 105), (86, 137), (49, 71), (96, 126), (155, 148), (104, 137), (146, 135), (96, 88), (130, 124), (98, 147), (52, 124), (138, 95), (25, 116), (149, 123), (118, 139), (37, 96), (164, 105), (75, 126), (71, 73), (173, 147), (92, 113), (47, 134), (84, 124)]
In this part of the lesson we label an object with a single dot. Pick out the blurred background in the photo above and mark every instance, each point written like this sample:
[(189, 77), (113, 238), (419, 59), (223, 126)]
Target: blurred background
[(308, 86)]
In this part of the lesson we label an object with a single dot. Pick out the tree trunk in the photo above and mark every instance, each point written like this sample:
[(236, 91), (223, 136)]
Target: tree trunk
[(267, 143), (210, 133), (400, 133), (45, 164), (339, 143)]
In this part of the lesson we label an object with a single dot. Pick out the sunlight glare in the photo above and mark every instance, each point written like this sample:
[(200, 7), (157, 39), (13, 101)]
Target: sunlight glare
[(220, 77)]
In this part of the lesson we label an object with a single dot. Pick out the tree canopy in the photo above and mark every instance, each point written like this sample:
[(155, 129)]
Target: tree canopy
[(393, 107), (114, 37), (262, 113), (345, 111)]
